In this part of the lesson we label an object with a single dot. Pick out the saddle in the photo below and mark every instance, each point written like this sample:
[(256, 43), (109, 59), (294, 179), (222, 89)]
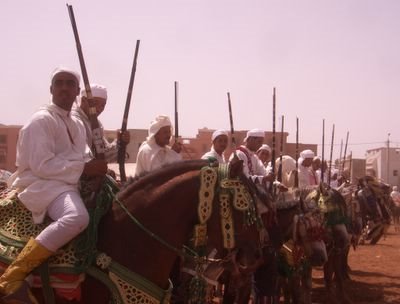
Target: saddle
[(66, 269)]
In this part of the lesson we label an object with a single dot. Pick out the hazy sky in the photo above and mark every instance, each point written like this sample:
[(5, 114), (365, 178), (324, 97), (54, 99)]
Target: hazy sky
[(334, 59)]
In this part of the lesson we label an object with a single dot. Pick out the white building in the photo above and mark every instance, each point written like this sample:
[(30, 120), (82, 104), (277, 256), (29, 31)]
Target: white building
[(384, 164)]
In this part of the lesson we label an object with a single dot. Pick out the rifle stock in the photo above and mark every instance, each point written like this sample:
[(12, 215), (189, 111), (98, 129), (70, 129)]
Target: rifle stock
[(121, 144)]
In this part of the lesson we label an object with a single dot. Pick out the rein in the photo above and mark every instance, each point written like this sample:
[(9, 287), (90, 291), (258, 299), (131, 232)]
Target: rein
[(182, 253)]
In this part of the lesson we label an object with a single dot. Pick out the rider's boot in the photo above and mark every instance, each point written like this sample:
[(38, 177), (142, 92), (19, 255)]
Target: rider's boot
[(13, 287)]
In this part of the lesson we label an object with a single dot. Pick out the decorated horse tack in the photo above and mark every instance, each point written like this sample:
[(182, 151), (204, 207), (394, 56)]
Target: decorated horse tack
[(125, 285)]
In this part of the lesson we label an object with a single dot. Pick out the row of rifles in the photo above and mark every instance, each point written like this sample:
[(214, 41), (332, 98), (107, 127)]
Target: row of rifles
[(98, 134)]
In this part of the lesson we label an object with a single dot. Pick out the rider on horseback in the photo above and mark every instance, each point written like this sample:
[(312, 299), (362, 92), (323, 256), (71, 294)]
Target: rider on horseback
[(50, 160)]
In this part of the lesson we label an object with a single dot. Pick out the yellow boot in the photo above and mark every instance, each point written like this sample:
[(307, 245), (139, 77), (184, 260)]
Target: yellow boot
[(31, 256)]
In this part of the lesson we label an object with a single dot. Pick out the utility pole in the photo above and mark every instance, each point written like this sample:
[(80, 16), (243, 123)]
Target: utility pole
[(387, 158)]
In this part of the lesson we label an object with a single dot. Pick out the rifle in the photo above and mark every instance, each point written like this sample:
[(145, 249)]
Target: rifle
[(330, 158), (351, 161), (345, 150), (231, 124), (340, 155), (323, 153), (281, 152), (121, 144), (176, 112), (97, 132), (273, 132), (296, 177)]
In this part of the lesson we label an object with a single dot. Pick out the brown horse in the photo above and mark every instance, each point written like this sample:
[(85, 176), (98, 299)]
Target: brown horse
[(333, 209), (148, 233)]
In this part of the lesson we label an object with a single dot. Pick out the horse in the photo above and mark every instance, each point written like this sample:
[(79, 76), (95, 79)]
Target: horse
[(303, 247), (283, 220), (150, 220), (374, 198), (331, 206)]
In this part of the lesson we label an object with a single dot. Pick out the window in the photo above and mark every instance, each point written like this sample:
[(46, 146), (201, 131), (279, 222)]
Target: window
[(395, 172), (3, 139), (3, 156)]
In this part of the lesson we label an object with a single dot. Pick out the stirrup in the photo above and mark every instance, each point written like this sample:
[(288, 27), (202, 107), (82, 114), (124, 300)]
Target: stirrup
[(22, 295)]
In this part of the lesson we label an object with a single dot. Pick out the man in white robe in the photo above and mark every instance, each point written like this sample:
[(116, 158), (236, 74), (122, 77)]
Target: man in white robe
[(252, 166), (219, 140), (99, 94), (155, 152), (306, 178), (264, 154), (50, 161)]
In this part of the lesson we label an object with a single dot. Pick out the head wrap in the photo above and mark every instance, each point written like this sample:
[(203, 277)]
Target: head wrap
[(254, 133), (335, 171), (62, 69), (218, 133), (159, 122), (97, 91), (305, 154), (264, 147)]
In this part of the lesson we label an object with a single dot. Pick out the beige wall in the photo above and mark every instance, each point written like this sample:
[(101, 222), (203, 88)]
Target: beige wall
[(193, 148), (8, 144)]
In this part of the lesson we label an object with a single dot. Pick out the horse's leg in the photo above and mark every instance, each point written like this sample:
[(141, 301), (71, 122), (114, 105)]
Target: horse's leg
[(339, 279), (346, 267), (306, 283)]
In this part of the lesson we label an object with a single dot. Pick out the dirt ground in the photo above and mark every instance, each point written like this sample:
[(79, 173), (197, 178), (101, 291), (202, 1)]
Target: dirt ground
[(375, 273)]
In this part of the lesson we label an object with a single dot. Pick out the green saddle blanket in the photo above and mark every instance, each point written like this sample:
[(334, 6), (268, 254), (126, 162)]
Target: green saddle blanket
[(17, 226)]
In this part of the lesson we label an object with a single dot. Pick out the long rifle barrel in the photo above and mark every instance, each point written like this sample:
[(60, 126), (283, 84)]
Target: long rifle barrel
[(296, 177), (330, 158), (281, 151), (231, 122), (345, 150), (273, 131), (97, 132), (323, 152), (176, 112), (121, 144)]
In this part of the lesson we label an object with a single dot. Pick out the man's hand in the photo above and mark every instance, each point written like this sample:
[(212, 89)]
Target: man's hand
[(268, 178), (177, 147), (95, 167), (124, 136)]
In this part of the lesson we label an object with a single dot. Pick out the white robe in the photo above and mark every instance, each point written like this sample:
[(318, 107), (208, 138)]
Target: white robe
[(50, 158), (152, 156), (111, 149), (214, 154), (306, 178), (257, 171)]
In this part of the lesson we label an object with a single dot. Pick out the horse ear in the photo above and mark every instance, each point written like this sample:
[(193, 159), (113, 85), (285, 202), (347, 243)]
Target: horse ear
[(235, 167)]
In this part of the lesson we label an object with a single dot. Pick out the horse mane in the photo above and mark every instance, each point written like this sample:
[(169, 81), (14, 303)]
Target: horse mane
[(162, 174)]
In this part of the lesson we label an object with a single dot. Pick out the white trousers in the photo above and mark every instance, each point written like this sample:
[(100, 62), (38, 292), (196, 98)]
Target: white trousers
[(70, 218)]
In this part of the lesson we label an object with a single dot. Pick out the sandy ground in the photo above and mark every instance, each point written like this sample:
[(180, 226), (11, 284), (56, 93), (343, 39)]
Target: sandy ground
[(375, 273)]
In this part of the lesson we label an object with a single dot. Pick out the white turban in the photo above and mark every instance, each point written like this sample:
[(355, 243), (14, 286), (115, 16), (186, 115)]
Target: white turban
[(305, 154), (158, 123), (254, 133), (62, 69), (218, 133), (97, 91), (335, 171), (264, 147)]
